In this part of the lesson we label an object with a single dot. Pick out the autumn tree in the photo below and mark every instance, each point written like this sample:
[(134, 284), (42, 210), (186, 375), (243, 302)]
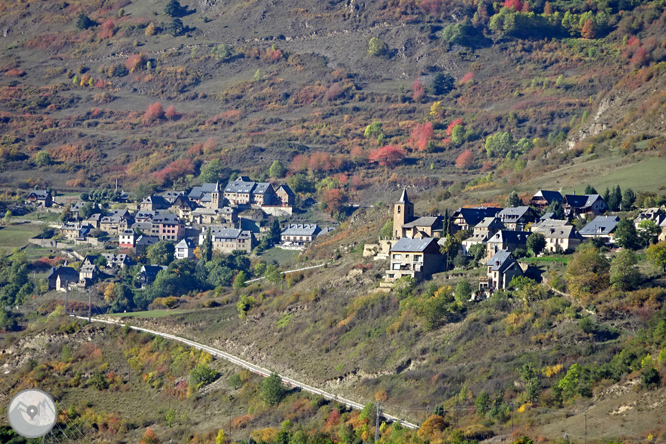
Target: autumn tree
[(421, 135), (150, 29), (149, 437), (465, 159), (657, 255), (154, 112), (171, 113), (587, 272), (589, 29), (418, 91), (387, 156), (333, 200)]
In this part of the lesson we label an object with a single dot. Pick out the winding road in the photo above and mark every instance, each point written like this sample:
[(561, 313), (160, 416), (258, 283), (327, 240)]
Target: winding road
[(256, 369)]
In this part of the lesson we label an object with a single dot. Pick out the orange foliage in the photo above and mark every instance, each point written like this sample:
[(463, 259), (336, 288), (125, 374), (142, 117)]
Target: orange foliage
[(154, 112), (388, 155), (466, 78), (209, 146), (241, 421), (171, 113), (299, 163), (421, 135), (465, 159), (333, 200), (177, 168), (15, 73), (108, 28), (456, 122), (76, 153), (195, 150), (517, 5), (333, 419), (135, 62), (149, 437)]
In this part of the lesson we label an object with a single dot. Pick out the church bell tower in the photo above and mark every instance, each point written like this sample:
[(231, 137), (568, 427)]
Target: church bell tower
[(403, 212)]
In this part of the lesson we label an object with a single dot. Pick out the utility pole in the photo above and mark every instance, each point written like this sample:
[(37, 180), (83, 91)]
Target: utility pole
[(377, 424), (89, 307), (66, 294), (585, 416)]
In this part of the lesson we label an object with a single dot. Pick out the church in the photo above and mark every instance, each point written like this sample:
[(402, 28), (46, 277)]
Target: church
[(405, 224)]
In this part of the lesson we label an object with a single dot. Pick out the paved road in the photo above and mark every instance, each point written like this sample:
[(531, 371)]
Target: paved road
[(256, 369)]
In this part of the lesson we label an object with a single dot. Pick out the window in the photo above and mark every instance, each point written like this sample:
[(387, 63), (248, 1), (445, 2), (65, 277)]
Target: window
[(398, 210), (396, 266), (397, 256)]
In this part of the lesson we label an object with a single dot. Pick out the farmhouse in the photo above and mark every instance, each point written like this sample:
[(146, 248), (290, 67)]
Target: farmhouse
[(40, 198), (543, 198), (578, 205), (227, 240)]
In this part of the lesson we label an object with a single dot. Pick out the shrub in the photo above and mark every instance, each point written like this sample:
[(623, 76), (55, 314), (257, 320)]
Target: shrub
[(154, 112), (202, 375), (376, 47)]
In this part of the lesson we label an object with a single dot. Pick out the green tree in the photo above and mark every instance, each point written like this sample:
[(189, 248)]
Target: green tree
[(170, 417), (245, 304), (161, 253), (214, 171), (626, 235), (441, 84), (99, 381), (207, 247), (8, 217), (173, 9), (477, 252), (43, 158), (589, 189), (450, 249), (277, 170), (202, 375), (463, 291), (657, 255), (239, 280), (536, 242), (623, 272), (615, 199), (648, 232), (587, 272), (458, 135), (222, 52), (275, 232), (84, 22), (377, 48), (628, 199), (373, 130), (569, 383), (272, 390), (556, 208), (463, 34), (499, 144), (386, 232), (513, 200), (176, 27), (482, 403)]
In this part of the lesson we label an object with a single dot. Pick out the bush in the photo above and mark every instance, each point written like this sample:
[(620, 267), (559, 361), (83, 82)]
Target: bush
[(376, 47), (202, 375)]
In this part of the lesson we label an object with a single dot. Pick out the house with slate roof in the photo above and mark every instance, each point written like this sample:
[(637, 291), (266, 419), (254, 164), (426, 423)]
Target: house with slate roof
[(543, 198), (154, 203), (517, 218), (207, 216), (126, 238), (207, 195), (60, 277), (185, 249), (182, 206), (117, 260), (285, 195), (507, 240), (576, 205), (227, 240), (75, 230), (464, 219), (602, 227), (482, 232), (416, 258), (502, 267), (116, 221), (563, 239), (244, 192), (300, 234), (167, 226), (143, 242), (171, 196), (148, 274), (40, 198)]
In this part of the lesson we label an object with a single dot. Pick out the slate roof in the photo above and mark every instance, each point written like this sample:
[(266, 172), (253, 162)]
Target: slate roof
[(286, 189), (225, 233), (186, 243), (581, 200), (548, 196), (510, 237), (152, 270), (403, 197), (408, 245), (475, 215), (147, 240), (40, 194), (262, 188), (158, 202), (198, 192), (601, 225), (166, 219), (563, 232), (501, 261), (426, 221), (547, 216), (65, 273), (240, 187), (514, 213), (489, 222), (171, 196), (301, 230)]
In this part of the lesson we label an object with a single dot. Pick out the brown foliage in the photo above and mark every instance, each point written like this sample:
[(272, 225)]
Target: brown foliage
[(387, 156), (465, 159), (153, 113)]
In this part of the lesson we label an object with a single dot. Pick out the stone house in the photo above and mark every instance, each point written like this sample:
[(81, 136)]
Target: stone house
[(416, 258)]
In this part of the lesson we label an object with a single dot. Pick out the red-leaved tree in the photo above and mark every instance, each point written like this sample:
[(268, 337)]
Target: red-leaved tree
[(418, 90), (456, 122), (421, 135), (333, 200), (107, 30), (465, 159), (589, 30), (517, 5), (177, 168), (299, 163), (171, 113), (154, 112), (466, 78), (387, 156)]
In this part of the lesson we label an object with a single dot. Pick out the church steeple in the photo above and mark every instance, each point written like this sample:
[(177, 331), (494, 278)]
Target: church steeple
[(403, 212)]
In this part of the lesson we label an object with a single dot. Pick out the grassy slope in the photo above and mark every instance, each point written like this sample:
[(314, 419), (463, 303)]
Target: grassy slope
[(16, 236)]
